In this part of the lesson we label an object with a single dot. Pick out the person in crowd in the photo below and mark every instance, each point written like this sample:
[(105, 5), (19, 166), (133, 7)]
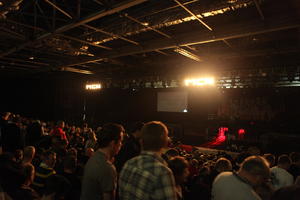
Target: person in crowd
[(56, 188), (294, 169), (28, 155), (35, 131), (100, 176), (44, 171), (131, 146), (91, 140), (59, 131), (180, 169), (11, 137), (147, 175), (253, 172), (280, 176), (170, 153), (24, 191), (69, 172), (222, 165), (270, 158), (3, 122)]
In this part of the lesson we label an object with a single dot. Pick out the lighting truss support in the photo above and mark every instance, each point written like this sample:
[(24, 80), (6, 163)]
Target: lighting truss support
[(59, 9), (110, 34), (196, 17), (259, 10), (147, 26), (191, 13), (187, 54), (85, 42)]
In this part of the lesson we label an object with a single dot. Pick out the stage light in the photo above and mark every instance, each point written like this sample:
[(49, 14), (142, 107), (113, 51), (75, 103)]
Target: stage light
[(96, 86), (199, 82)]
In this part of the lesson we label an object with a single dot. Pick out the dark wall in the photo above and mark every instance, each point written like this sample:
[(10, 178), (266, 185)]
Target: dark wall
[(63, 97), (42, 97)]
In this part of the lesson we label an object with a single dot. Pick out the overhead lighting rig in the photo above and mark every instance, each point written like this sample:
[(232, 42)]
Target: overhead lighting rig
[(187, 54), (8, 5)]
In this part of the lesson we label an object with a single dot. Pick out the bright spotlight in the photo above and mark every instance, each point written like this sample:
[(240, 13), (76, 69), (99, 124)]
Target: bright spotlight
[(93, 86), (199, 82)]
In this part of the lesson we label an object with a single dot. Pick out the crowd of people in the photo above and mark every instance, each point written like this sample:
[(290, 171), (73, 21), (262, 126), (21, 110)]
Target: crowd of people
[(52, 161)]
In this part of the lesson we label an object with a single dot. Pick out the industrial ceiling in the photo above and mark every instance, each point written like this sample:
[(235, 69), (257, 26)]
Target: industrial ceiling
[(132, 39)]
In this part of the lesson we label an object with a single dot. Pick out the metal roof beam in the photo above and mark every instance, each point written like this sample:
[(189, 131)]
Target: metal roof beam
[(100, 14), (193, 39)]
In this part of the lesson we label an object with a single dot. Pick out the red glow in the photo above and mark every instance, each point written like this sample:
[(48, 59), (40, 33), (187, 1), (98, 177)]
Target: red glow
[(241, 131), (219, 139)]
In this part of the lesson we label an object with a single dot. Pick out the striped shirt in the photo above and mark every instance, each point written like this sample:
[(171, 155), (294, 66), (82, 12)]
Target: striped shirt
[(41, 174), (147, 177)]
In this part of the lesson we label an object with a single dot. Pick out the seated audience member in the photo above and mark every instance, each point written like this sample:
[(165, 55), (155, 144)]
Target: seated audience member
[(171, 153), (147, 175), (11, 136), (270, 158), (56, 188), (254, 171), (25, 192), (287, 193), (222, 165), (44, 170), (180, 169), (35, 131), (91, 141), (279, 174), (28, 155), (69, 172)]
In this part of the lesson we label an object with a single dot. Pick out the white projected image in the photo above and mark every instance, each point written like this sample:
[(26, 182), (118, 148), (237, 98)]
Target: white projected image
[(172, 102)]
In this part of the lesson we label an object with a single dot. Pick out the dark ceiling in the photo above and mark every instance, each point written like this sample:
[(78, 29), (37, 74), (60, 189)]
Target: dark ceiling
[(139, 38)]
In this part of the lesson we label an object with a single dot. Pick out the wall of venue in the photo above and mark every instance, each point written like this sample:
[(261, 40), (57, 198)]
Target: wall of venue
[(64, 98)]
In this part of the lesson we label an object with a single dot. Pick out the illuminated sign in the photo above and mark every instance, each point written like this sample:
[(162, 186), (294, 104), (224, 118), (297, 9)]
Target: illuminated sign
[(93, 86), (199, 82)]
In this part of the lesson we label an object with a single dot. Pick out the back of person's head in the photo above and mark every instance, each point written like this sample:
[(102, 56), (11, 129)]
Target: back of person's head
[(284, 160), (256, 166), (177, 164), (295, 157), (154, 136), (270, 158), (70, 163), (172, 153), (72, 152), (57, 187), (109, 132), (137, 126), (223, 165), (179, 167), (29, 152)]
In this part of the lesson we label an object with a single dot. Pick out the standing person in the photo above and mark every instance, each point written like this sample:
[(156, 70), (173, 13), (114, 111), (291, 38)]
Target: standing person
[(131, 146), (59, 131), (254, 172), (100, 176), (147, 176)]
